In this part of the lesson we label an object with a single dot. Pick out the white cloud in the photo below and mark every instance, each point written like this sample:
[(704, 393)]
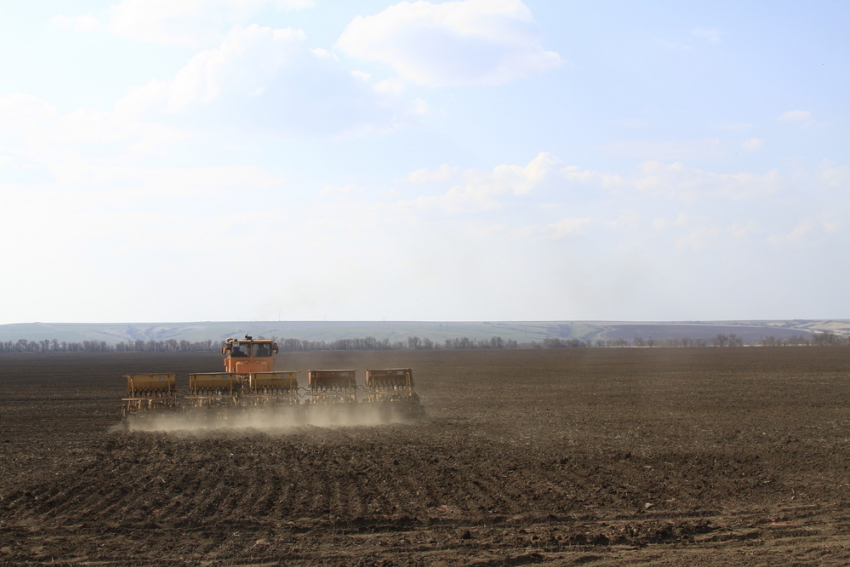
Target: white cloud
[(86, 148), (424, 175), (247, 60), (700, 238), (795, 116), (65, 146), (190, 23), (389, 87), (574, 173), (831, 226), (325, 54), (492, 190), (514, 178), (628, 219), (243, 65), (710, 34), (83, 23), (753, 144), (835, 176), (258, 77), (109, 135), (269, 78), (454, 43), (21, 112), (481, 190), (575, 226), (795, 235), (421, 107), (679, 182), (742, 230)]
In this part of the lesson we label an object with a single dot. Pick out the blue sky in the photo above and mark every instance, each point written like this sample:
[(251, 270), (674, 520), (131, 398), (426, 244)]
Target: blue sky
[(180, 160)]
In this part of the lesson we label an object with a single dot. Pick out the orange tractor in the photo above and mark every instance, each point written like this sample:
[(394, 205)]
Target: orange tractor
[(250, 380)]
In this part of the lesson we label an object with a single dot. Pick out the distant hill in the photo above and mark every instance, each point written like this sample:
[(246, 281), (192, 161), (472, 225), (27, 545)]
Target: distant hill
[(524, 331)]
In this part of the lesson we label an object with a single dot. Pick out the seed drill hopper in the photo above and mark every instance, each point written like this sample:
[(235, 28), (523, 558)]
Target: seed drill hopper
[(250, 381), (393, 389), (390, 385), (146, 392), (332, 386), (272, 389), (209, 390)]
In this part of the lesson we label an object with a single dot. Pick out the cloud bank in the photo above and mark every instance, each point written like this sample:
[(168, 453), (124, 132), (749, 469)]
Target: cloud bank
[(468, 42), (187, 23)]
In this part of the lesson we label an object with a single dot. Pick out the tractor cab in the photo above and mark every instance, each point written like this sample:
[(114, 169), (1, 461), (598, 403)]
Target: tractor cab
[(248, 355)]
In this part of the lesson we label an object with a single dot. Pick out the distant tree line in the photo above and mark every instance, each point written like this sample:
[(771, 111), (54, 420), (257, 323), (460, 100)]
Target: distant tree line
[(53, 345), (827, 338)]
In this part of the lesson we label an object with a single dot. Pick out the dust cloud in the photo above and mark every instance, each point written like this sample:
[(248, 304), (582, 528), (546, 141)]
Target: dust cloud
[(280, 419)]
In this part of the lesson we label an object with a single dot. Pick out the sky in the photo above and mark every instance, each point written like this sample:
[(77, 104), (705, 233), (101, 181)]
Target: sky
[(469, 160)]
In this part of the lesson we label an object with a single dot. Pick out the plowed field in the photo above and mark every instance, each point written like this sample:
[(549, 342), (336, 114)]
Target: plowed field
[(550, 457)]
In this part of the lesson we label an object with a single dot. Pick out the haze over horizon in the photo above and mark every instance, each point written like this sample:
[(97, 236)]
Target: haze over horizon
[(472, 160)]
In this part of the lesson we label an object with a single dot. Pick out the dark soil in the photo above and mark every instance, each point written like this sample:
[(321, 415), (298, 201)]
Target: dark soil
[(552, 457)]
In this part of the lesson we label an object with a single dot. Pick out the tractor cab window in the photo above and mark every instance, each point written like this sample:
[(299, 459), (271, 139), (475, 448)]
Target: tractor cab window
[(262, 349), (241, 349)]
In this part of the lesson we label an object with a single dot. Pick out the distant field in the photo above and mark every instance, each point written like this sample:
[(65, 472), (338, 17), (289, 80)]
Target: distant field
[(750, 334), (436, 331)]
